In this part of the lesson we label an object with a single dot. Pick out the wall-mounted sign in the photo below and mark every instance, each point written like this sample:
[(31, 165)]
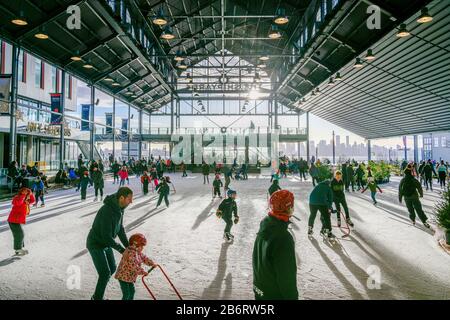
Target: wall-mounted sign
[(56, 105), (85, 111), (226, 86), (109, 122), (46, 129)]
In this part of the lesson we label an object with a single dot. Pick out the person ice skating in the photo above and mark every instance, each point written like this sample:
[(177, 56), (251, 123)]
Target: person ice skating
[(410, 189), (274, 187), (303, 168), (163, 189), (183, 169), (123, 174), (205, 171), (154, 176), (99, 183), (145, 181), (442, 173), (428, 171), (321, 199), (359, 176), (17, 217), (275, 175), (314, 173), (226, 210), (217, 184), (338, 187), (228, 176), (115, 170), (130, 266), (274, 259), (350, 178), (85, 181), (108, 224), (38, 189), (372, 186)]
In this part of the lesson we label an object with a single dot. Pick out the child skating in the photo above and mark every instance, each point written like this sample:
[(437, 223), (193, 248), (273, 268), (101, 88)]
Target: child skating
[(274, 187), (123, 174), (338, 187), (226, 210), (145, 181), (373, 186), (130, 266), (163, 189), (85, 181), (38, 189), (217, 184)]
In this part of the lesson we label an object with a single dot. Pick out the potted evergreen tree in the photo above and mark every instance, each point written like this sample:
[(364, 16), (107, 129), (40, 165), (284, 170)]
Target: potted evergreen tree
[(443, 213)]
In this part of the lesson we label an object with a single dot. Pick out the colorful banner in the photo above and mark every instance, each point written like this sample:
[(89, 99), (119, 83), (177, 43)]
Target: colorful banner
[(124, 126), (85, 112), (5, 87), (109, 122), (56, 105)]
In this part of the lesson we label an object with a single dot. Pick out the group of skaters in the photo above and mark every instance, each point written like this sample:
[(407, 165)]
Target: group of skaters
[(274, 259), (426, 170)]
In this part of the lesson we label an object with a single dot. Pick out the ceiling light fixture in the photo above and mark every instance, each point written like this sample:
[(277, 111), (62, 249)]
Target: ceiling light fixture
[(167, 34), (182, 65), (159, 19), (20, 20), (425, 16), (331, 82), (358, 63), (369, 55), (403, 32), (108, 79), (178, 57), (41, 34), (88, 65), (338, 77), (281, 17), (274, 32), (264, 58), (76, 56)]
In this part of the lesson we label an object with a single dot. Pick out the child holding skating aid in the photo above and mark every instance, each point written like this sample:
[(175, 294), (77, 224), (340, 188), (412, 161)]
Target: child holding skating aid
[(226, 210), (217, 184), (130, 267)]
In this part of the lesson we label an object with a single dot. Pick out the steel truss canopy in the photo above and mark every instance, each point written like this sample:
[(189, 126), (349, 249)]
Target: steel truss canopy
[(405, 90)]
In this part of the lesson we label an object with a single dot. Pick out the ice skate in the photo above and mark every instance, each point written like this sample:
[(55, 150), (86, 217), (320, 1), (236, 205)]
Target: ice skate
[(95, 199), (331, 237), (350, 222), (413, 222), (42, 205), (21, 252), (310, 231), (339, 223)]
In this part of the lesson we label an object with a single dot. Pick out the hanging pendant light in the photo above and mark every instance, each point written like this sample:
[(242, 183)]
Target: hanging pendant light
[(41, 34), (331, 82), (264, 58), (281, 17), (20, 20), (425, 16), (274, 32), (403, 32), (76, 56), (159, 19), (88, 65), (167, 34), (108, 79), (358, 63), (338, 77), (369, 55), (182, 65), (178, 57)]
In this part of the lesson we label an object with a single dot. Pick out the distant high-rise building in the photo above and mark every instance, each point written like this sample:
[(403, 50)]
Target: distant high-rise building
[(347, 141), (338, 139)]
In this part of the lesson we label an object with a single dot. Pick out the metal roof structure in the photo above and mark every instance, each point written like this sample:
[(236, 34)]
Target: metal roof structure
[(404, 90)]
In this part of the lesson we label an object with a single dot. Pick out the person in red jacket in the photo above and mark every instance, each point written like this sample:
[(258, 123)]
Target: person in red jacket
[(123, 174), (20, 209)]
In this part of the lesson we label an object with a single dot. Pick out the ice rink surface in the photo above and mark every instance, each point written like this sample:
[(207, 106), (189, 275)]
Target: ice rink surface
[(186, 239)]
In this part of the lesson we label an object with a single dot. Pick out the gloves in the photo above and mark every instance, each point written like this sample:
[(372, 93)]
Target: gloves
[(219, 214), (236, 219)]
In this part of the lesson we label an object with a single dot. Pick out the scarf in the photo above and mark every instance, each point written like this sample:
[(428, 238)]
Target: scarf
[(278, 216)]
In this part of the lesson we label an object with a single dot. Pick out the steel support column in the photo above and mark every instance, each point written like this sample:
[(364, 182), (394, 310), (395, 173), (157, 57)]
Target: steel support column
[(92, 124), (369, 150), (307, 136), (129, 132), (140, 135), (416, 149), (13, 108), (334, 149), (114, 130), (62, 143)]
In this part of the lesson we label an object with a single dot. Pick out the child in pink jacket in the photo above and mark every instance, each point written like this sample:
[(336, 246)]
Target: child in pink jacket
[(123, 174), (130, 265)]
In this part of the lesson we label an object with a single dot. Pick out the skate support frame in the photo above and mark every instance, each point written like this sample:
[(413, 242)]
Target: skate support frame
[(345, 229), (167, 278)]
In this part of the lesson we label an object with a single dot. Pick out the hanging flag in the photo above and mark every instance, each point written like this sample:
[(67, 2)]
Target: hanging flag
[(85, 111), (56, 105), (124, 126), (5, 87), (109, 122)]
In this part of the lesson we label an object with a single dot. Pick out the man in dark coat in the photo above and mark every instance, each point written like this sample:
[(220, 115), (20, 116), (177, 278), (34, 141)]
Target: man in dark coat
[(428, 171), (205, 171), (99, 184), (410, 190), (274, 259), (108, 224), (321, 199)]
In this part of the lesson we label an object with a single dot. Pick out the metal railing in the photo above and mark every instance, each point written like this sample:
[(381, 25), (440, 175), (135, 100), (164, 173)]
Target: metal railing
[(216, 130)]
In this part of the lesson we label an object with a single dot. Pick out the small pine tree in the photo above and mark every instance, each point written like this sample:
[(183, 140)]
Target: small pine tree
[(443, 210)]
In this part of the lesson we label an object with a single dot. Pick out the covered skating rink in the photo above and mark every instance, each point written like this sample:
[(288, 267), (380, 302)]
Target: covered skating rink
[(186, 239)]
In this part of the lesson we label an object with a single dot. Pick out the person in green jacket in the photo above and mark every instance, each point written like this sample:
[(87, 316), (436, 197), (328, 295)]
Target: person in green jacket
[(321, 199), (360, 176), (350, 178), (163, 190), (274, 259), (410, 189), (99, 183), (217, 184), (274, 187), (338, 187), (226, 210), (108, 224), (85, 181), (205, 171), (373, 186)]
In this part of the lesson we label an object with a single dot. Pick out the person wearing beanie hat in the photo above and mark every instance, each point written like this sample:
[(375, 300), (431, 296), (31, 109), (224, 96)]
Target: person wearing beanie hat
[(274, 259), (85, 181), (410, 189), (217, 184), (321, 199), (226, 210), (428, 171), (338, 187), (164, 190), (373, 186)]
